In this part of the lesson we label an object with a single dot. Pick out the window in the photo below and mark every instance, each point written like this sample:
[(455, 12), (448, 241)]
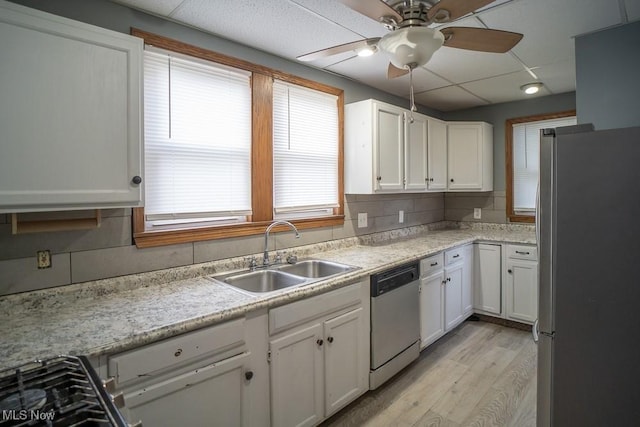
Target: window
[(305, 152), (197, 130), (231, 146), (522, 155)]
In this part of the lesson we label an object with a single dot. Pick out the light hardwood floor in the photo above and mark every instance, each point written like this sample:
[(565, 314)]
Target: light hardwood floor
[(480, 374)]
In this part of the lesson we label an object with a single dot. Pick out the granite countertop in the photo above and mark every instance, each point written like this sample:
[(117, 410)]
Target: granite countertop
[(115, 315)]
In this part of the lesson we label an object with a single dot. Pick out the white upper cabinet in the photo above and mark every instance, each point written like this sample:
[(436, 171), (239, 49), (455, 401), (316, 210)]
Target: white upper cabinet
[(70, 114), (389, 150), (470, 156), (437, 155), (415, 155)]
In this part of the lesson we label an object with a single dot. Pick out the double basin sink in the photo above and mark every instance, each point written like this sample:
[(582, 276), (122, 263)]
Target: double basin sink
[(284, 276)]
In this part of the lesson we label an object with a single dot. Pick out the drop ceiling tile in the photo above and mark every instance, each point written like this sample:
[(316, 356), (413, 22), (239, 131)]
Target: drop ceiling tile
[(155, 7), (503, 88), (459, 65), (549, 26), (337, 12), (277, 26), (559, 77), (633, 9), (449, 98)]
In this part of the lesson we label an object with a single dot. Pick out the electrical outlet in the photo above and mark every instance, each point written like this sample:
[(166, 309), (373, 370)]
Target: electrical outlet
[(362, 220), (477, 213), (400, 217), (44, 259)]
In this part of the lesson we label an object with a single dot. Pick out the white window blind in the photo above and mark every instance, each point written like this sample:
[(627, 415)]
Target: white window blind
[(305, 151), (197, 138), (526, 160)]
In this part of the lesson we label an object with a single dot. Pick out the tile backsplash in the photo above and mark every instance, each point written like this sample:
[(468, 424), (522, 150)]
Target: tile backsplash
[(86, 255)]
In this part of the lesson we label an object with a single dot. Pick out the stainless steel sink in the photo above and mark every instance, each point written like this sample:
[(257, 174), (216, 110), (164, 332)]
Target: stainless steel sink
[(316, 268), (280, 277), (262, 281)]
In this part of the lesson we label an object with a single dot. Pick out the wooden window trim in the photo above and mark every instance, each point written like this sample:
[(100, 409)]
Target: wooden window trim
[(511, 214), (261, 157)]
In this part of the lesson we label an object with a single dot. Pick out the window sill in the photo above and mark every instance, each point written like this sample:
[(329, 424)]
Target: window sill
[(148, 239), (522, 218)]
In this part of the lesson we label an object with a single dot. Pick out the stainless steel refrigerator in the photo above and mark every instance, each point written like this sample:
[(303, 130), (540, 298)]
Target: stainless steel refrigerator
[(588, 224)]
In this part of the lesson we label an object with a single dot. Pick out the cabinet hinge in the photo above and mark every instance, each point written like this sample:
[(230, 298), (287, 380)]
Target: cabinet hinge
[(269, 356)]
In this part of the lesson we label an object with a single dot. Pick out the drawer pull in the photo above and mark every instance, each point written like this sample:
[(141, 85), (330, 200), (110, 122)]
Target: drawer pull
[(456, 256), (433, 264), (523, 253), (178, 352)]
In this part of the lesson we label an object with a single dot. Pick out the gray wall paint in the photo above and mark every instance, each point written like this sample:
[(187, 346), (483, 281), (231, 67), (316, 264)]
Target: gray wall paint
[(608, 89)]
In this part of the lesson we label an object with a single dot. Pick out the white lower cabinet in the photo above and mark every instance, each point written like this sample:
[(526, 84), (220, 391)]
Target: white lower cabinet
[(521, 284), (209, 376), (488, 282), (431, 299), (453, 295), (319, 355)]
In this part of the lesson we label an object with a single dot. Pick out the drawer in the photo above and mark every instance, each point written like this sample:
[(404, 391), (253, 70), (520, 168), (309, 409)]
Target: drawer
[(175, 351), (431, 265), (287, 316), (522, 252), (453, 255)]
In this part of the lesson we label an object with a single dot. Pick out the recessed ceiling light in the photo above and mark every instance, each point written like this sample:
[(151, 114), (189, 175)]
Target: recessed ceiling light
[(531, 88)]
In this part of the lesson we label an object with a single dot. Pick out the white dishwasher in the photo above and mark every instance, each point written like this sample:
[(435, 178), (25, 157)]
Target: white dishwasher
[(395, 321)]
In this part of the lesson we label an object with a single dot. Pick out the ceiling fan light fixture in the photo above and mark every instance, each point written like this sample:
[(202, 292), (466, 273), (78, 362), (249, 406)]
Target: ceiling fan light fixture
[(366, 51), (531, 88), (411, 46)]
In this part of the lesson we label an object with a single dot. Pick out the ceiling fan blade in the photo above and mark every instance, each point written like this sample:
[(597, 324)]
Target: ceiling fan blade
[(338, 49), (454, 9), (480, 39), (393, 71), (374, 9)]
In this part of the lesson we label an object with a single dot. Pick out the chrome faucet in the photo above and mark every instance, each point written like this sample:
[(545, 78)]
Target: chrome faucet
[(265, 258)]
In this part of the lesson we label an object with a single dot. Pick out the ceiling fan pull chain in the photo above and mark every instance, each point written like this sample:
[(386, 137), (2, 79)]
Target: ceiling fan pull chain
[(412, 100)]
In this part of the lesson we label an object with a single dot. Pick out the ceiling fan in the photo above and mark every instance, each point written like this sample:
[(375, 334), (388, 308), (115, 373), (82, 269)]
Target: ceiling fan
[(411, 42)]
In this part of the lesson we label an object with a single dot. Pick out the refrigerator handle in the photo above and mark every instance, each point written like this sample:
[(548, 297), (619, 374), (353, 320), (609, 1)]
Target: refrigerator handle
[(534, 331)]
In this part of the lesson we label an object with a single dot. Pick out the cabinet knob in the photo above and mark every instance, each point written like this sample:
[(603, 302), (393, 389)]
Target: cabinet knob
[(136, 179), (319, 342), (379, 178), (330, 339), (248, 375), (509, 271), (448, 279), (451, 179), (431, 179)]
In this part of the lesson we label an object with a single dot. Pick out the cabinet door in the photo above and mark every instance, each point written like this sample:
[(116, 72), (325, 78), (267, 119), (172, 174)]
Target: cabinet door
[(70, 114), (467, 280), (487, 281), (522, 290), (465, 156), (453, 296), (214, 392), (346, 360), (415, 161), (431, 303), (437, 156), (296, 378), (389, 138)]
